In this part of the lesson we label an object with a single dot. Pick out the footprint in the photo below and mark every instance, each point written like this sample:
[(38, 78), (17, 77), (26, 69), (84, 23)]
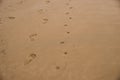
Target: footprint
[(57, 67), (68, 32), (67, 13), (33, 37), (62, 42), (11, 17), (2, 42), (28, 62), (65, 24), (3, 52), (40, 11), (70, 7), (65, 53), (45, 20), (70, 18), (67, 4), (47, 1), (21, 2), (54, 72), (31, 57)]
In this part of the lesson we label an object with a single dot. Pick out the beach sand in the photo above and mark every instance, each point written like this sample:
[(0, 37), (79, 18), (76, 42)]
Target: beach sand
[(59, 40)]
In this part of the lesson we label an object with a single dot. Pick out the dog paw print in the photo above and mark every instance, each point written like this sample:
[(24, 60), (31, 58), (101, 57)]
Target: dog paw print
[(62, 42), (68, 32)]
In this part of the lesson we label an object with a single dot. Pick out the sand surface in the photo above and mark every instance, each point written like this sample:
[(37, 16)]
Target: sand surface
[(59, 40)]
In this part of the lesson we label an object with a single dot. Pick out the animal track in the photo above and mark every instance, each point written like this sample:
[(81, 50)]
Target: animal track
[(68, 32), (65, 53), (62, 42), (54, 72), (57, 67)]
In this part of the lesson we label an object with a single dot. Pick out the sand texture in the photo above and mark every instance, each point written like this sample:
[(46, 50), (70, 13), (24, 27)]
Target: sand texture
[(59, 39)]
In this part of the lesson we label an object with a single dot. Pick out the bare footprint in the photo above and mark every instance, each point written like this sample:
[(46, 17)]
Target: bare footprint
[(47, 1), (31, 57), (21, 2), (70, 7), (11, 17), (40, 11), (65, 24), (67, 13), (67, 4), (32, 37), (45, 20)]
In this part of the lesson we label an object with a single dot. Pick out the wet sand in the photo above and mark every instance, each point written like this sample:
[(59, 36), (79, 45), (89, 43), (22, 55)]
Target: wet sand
[(59, 40)]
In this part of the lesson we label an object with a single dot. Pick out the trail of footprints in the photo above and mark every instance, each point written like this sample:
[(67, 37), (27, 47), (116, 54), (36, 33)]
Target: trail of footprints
[(68, 13), (32, 56), (3, 47)]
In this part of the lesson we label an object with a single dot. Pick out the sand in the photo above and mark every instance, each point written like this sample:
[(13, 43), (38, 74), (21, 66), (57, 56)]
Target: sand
[(59, 40)]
